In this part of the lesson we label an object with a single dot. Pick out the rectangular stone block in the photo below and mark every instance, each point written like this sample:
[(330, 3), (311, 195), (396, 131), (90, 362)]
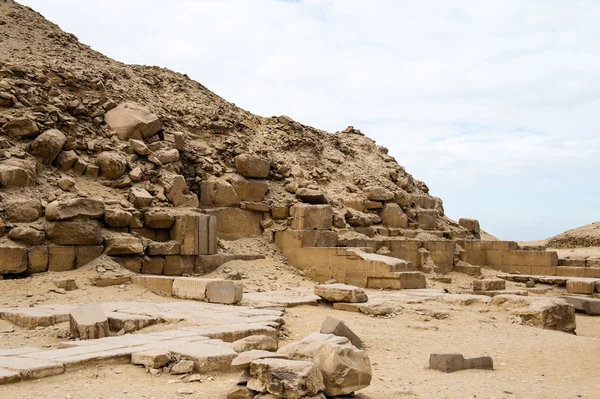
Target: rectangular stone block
[(572, 262), (163, 248), (31, 369), (37, 259), (570, 271), (530, 258), (206, 357), (592, 272), (212, 235), (176, 265), (306, 238), (191, 231), (543, 271), (312, 217), (13, 260), (144, 232), (581, 286), (157, 284), (86, 254), (475, 257), (489, 285), (61, 259), (190, 288), (153, 265), (224, 291), (131, 263), (88, 322)]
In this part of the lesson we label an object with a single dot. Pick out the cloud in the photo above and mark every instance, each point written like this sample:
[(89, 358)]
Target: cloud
[(484, 101)]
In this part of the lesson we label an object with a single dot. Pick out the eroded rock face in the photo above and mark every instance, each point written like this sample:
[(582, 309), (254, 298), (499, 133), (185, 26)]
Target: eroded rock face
[(470, 224), (74, 232), (16, 173), (393, 216), (131, 120), (22, 127), (345, 368), (288, 379), (76, 207), (48, 145)]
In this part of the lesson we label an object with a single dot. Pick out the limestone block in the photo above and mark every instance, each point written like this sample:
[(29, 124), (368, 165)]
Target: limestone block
[(224, 291), (192, 231), (448, 363), (31, 369), (152, 265), (345, 368), (243, 360), (581, 286), (235, 223), (340, 293), (393, 216), (176, 265), (255, 342), (206, 357), (117, 217), (76, 207), (489, 285), (140, 198), (124, 245), (61, 258), (177, 191), (67, 284), (190, 288), (22, 127), (88, 322), (427, 219), (167, 156), (424, 201), (23, 210), (157, 284), (337, 327), (249, 189), (311, 217), (164, 248), (470, 224), (37, 259), (249, 165), (285, 378), (218, 192), (154, 358), (132, 120), (86, 254), (158, 219), (16, 173), (13, 259), (255, 207), (27, 235), (48, 145), (377, 193)]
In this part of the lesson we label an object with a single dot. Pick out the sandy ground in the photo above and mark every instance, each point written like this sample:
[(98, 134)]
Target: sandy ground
[(529, 362)]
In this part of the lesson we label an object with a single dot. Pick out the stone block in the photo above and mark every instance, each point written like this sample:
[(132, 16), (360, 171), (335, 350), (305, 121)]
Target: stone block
[(311, 217), (306, 238), (243, 360), (86, 254), (285, 378), (144, 232), (393, 216), (23, 210), (427, 219), (176, 265), (72, 208), (218, 192), (153, 265), (377, 193), (157, 284), (13, 260), (570, 271), (88, 322), (340, 293), (61, 259), (66, 160), (163, 248), (206, 357), (9, 376), (37, 259), (190, 288), (235, 223), (31, 369), (449, 363), (192, 232), (255, 343), (158, 219), (249, 165), (355, 203), (67, 284), (224, 291), (590, 306), (154, 358), (581, 286), (489, 285), (311, 196), (249, 189), (140, 198), (131, 263), (255, 207), (75, 232), (132, 121), (424, 201), (339, 328), (124, 245), (279, 212), (470, 224)]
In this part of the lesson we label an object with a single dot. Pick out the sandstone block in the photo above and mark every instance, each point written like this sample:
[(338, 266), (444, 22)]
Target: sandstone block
[(235, 223), (37, 259), (249, 189), (61, 259), (124, 245), (345, 368), (340, 293), (581, 286), (449, 363), (176, 265), (158, 219), (22, 127), (88, 322), (132, 120), (249, 165), (154, 358), (13, 260), (312, 217), (224, 291), (393, 216), (339, 328), (311, 196), (25, 210), (140, 198), (470, 224), (16, 173), (86, 254), (48, 145), (77, 207), (285, 378)]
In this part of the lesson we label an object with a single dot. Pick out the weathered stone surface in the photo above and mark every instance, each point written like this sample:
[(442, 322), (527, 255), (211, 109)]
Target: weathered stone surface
[(132, 120), (345, 368), (167, 156), (61, 258), (177, 191), (393, 216), (240, 392), (76, 207), (13, 259), (288, 379), (176, 265), (158, 219), (48, 145), (448, 363), (24, 210), (427, 219), (312, 217), (124, 245), (16, 173), (86, 254), (361, 219), (376, 193), (37, 259), (22, 127), (575, 286), (153, 265), (190, 288), (140, 198), (9, 376), (311, 196), (337, 327), (153, 358), (470, 224), (67, 284), (206, 357), (192, 232), (27, 235), (489, 285), (340, 293), (402, 198), (163, 248), (249, 189), (548, 313), (66, 160), (31, 369), (249, 165), (218, 192), (235, 223), (139, 147), (112, 164), (117, 217), (255, 342), (160, 285), (183, 367), (590, 306), (243, 360), (224, 291), (88, 322)]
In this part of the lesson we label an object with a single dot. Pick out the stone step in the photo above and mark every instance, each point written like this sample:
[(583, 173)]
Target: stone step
[(590, 306)]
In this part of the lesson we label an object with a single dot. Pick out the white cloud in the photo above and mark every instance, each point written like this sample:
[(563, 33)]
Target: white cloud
[(468, 95)]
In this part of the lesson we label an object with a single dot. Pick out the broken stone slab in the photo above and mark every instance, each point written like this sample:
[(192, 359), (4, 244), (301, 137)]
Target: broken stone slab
[(291, 379), (182, 367), (75, 232), (547, 313), (337, 327), (345, 368), (29, 318), (124, 245), (206, 357), (107, 280), (129, 322), (131, 120), (140, 198), (288, 299), (153, 358), (575, 286), (243, 360), (77, 207), (160, 285), (448, 363), (9, 376), (590, 306), (341, 293), (88, 322), (489, 285), (255, 342), (67, 284), (31, 369), (368, 308)]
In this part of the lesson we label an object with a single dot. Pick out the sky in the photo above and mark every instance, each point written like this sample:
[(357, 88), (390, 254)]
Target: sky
[(495, 105)]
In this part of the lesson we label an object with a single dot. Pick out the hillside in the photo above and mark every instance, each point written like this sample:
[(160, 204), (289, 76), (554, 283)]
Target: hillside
[(584, 236)]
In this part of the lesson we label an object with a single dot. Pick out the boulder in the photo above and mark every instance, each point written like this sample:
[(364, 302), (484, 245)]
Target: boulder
[(13, 259), (249, 165), (337, 327), (167, 156), (393, 216), (255, 342), (23, 210), (48, 145), (139, 147), (27, 235), (88, 322), (112, 164), (117, 217), (470, 224), (67, 284), (345, 368), (284, 378), (66, 160), (124, 245), (249, 189), (377, 193), (75, 208), (311, 196), (16, 173), (75, 232), (341, 293), (22, 127), (132, 121), (218, 192)]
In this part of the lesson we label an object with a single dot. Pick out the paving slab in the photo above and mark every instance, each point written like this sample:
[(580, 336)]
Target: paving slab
[(206, 357), (9, 376), (17, 351), (31, 369), (286, 299)]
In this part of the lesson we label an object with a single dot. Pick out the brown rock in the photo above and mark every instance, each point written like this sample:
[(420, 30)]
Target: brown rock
[(131, 120), (167, 156), (158, 219), (13, 259), (27, 235), (340, 293), (22, 127), (88, 322), (76, 207), (311, 196), (285, 378), (75, 232), (140, 198), (117, 217), (249, 165), (48, 145), (337, 327), (249, 189), (112, 164), (124, 245), (177, 191), (24, 210), (139, 147), (66, 160), (311, 217), (376, 193), (255, 342), (427, 219), (470, 224), (16, 173), (218, 192), (448, 363), (393, 216), (37, 259), (61, 258), (153, 265)]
